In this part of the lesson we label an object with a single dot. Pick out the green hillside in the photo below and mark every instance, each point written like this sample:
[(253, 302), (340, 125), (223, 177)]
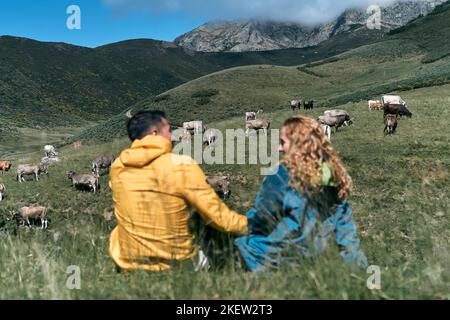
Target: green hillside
[(400, 205), (54, 84), (401, 61), (431, 33)]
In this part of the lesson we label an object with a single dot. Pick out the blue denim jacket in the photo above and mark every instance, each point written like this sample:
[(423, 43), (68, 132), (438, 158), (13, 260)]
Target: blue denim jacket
[(284, 224)]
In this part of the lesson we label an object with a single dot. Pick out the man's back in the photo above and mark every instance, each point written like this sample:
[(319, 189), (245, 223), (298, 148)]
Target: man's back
[(152, 191)]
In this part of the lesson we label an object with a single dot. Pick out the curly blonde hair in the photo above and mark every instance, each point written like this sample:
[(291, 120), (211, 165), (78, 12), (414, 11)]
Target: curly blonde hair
[(308, 151)]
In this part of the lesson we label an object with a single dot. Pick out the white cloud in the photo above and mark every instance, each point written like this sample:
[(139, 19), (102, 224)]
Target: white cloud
[(306, 11)]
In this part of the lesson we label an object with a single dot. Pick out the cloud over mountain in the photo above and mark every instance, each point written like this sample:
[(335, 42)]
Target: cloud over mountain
[(305, 11)]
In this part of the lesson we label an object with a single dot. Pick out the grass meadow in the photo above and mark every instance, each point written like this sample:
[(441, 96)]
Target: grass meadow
[(400, 204)]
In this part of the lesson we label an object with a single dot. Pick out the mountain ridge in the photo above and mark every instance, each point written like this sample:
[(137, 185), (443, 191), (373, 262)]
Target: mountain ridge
[(57, 84), (262, 35)]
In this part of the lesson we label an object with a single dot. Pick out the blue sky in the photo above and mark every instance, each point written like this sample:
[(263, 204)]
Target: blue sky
[(45, 20), (107, 21)]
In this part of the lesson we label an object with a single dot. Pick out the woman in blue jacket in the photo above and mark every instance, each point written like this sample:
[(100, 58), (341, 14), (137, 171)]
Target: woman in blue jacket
[(303, 206)]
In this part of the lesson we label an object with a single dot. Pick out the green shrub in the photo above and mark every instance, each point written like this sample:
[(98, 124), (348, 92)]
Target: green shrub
[(205, 93)]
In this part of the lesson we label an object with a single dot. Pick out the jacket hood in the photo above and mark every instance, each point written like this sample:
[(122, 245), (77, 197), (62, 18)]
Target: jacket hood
[(145, 151), (327, 177)]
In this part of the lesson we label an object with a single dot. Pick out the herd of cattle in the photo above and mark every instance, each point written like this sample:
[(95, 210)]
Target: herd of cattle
[(297, 104), (191, 128), (393, 107), (80, 181)]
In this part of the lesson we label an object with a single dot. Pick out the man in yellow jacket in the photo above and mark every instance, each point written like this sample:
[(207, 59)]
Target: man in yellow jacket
[(153, 190)]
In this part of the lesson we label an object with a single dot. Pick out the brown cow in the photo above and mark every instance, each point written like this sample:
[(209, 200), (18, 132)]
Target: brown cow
[(221, 184), (261, 124), (5, 166), (27, 213), (295, 104), (103, 162), (375, 105), (390, 124)]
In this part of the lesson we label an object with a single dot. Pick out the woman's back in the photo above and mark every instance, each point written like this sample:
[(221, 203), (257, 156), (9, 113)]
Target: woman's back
[(285, 224)]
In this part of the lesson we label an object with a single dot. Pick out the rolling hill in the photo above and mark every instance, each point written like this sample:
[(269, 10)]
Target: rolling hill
[(401, 61), (56, 84)]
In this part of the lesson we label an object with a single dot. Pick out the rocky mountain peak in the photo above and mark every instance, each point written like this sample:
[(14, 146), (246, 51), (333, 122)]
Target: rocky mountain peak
[(260, 35)]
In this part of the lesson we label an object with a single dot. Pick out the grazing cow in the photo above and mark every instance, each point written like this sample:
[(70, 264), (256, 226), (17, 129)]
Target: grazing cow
[(210, 137), (252, 115), (404, 112), (375, 105), (390, 124), (389, 99), (334, 122), (296, 104), (327, 131), (2, 191), (221, 184), (308, 105), (393, 109), (27, 213), (5, 166), (341, 114), (50, 151), (103, 162), (84, 181), (263, 125), (28, 169), (197, 126)]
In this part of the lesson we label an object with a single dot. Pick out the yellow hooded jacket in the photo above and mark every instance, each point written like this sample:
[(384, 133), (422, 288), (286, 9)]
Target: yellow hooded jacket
[(152, 192)]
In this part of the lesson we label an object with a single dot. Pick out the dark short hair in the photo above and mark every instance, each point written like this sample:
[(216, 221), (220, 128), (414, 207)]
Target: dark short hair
[(142, 122)]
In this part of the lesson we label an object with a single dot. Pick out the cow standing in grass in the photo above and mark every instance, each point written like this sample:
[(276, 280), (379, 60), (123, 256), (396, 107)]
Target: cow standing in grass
[(335, 120), (5, 166), (296, 104), (390, 124), (84, 181), (263, 125), (375, 105), (221, 184), (27, 213), (308, 105), (103, 162), (28, 169)]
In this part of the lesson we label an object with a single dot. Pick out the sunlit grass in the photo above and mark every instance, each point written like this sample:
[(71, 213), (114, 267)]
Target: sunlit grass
[(400, 204)]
